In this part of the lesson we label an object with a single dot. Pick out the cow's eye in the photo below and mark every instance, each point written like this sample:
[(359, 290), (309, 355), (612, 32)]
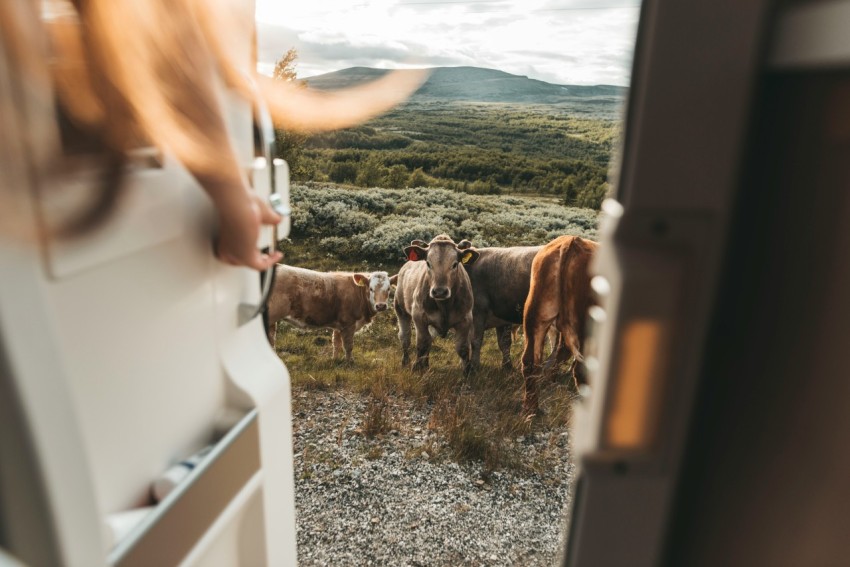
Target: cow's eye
[(454, 265), (428, 263)]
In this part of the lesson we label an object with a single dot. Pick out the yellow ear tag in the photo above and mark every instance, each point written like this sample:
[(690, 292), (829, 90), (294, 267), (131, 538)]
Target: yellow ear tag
[(360, 282), (466, 258)]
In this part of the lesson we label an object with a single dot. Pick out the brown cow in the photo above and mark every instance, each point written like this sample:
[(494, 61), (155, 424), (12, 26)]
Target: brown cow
[(560, 295), (500, 280), (435, 294), (341, 301)]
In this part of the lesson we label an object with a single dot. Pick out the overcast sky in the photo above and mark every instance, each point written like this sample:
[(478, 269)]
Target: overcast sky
[(582, 42)]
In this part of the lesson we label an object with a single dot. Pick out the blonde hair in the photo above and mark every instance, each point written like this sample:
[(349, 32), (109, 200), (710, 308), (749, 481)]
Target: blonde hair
[(131, 71)]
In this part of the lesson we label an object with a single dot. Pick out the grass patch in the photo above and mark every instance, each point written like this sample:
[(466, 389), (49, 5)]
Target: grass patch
[(477, 418)]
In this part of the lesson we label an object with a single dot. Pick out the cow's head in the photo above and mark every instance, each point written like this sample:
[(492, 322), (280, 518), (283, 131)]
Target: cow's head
[(379, 284), (443, 258)]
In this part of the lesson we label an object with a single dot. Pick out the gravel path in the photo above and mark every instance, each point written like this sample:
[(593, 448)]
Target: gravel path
[(388, 501)]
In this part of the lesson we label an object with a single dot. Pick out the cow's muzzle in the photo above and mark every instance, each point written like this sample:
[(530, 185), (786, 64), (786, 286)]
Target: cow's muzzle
[(380, 307), (440, 293)]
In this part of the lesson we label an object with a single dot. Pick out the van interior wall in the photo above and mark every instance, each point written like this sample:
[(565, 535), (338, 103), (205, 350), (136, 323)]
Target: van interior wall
[(765, 476)]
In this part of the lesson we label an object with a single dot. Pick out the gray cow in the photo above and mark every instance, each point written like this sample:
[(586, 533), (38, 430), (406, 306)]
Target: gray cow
[(500, 281), (433, 291)]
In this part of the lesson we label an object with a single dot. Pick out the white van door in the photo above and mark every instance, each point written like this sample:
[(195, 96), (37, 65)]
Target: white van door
[(123, 354)]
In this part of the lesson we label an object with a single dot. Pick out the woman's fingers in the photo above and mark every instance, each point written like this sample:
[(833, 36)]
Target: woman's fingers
[(272, 259), (267, 214), (262, 262), (255, 260), (239, 228)]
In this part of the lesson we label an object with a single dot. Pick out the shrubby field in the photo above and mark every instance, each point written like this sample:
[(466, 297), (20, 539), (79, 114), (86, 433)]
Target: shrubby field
[(376, 224), (475, 148), (357, 229)]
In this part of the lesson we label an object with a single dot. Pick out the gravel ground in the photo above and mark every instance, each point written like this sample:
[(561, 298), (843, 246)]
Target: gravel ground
[(388, 501)]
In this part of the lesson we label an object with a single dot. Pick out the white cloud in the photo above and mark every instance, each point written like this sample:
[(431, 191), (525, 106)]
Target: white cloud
[(560, 41)]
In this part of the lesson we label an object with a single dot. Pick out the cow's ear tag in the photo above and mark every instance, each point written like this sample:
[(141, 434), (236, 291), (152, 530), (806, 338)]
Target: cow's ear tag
[(466, 258), (359, 280), (413, 255)]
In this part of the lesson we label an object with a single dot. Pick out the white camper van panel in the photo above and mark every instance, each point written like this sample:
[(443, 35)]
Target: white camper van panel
[(126, 355)]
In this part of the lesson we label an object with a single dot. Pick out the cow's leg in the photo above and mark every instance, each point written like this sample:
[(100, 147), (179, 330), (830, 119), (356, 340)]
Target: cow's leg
[(535, 337), (478, 322), (463, 345), (423, 345), (559, 354), (504, 335), (553, 337), (573, 345), (348, 341), (580, 373), (404, 335), (337, 340), (540, 313)]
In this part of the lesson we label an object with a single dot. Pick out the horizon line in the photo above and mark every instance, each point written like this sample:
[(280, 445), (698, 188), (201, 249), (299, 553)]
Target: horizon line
[(467, 66)]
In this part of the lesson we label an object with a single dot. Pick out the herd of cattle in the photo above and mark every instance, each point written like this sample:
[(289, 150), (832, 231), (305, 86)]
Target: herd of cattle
[(446, 286)]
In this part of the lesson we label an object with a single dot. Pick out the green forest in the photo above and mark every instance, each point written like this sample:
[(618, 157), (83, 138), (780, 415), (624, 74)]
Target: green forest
[(475, 148)]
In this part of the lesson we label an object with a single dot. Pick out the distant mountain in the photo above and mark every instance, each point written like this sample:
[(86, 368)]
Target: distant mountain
[(476, 84)]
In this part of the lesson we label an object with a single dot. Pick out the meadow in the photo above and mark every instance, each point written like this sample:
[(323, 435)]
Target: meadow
[(348, 228)]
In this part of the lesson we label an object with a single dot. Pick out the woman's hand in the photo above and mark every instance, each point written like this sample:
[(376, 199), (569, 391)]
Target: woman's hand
[(240, 220)]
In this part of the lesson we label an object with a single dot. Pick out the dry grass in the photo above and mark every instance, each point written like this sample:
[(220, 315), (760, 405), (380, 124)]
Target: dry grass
[(478, 417)]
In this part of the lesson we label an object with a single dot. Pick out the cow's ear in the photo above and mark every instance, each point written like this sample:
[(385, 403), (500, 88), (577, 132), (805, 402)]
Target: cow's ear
[(468, 256), (393, 280), (415, 253), (360, 279), (464, 244)]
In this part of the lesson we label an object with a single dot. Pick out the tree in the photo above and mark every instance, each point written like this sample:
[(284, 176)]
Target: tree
[(284, 69), (289, 144), (396, 177), (343, 172), (418, 178), (371, 173)]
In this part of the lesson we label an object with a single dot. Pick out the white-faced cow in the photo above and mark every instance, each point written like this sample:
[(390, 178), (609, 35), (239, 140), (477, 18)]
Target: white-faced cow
[(560, 295), (435, 294), (500, 281), (341, 301)]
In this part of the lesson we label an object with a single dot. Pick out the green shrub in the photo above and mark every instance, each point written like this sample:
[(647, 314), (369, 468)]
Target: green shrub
[(376, 224)]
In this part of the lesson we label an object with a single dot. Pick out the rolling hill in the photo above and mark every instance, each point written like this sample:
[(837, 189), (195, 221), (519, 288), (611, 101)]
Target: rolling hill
[(476, 84), (474, 130)]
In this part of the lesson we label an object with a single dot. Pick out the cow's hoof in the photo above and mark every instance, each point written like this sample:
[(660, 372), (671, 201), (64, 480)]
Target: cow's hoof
[(531, 408)]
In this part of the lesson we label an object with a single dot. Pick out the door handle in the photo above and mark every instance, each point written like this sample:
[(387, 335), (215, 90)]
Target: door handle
[(278, 179)]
